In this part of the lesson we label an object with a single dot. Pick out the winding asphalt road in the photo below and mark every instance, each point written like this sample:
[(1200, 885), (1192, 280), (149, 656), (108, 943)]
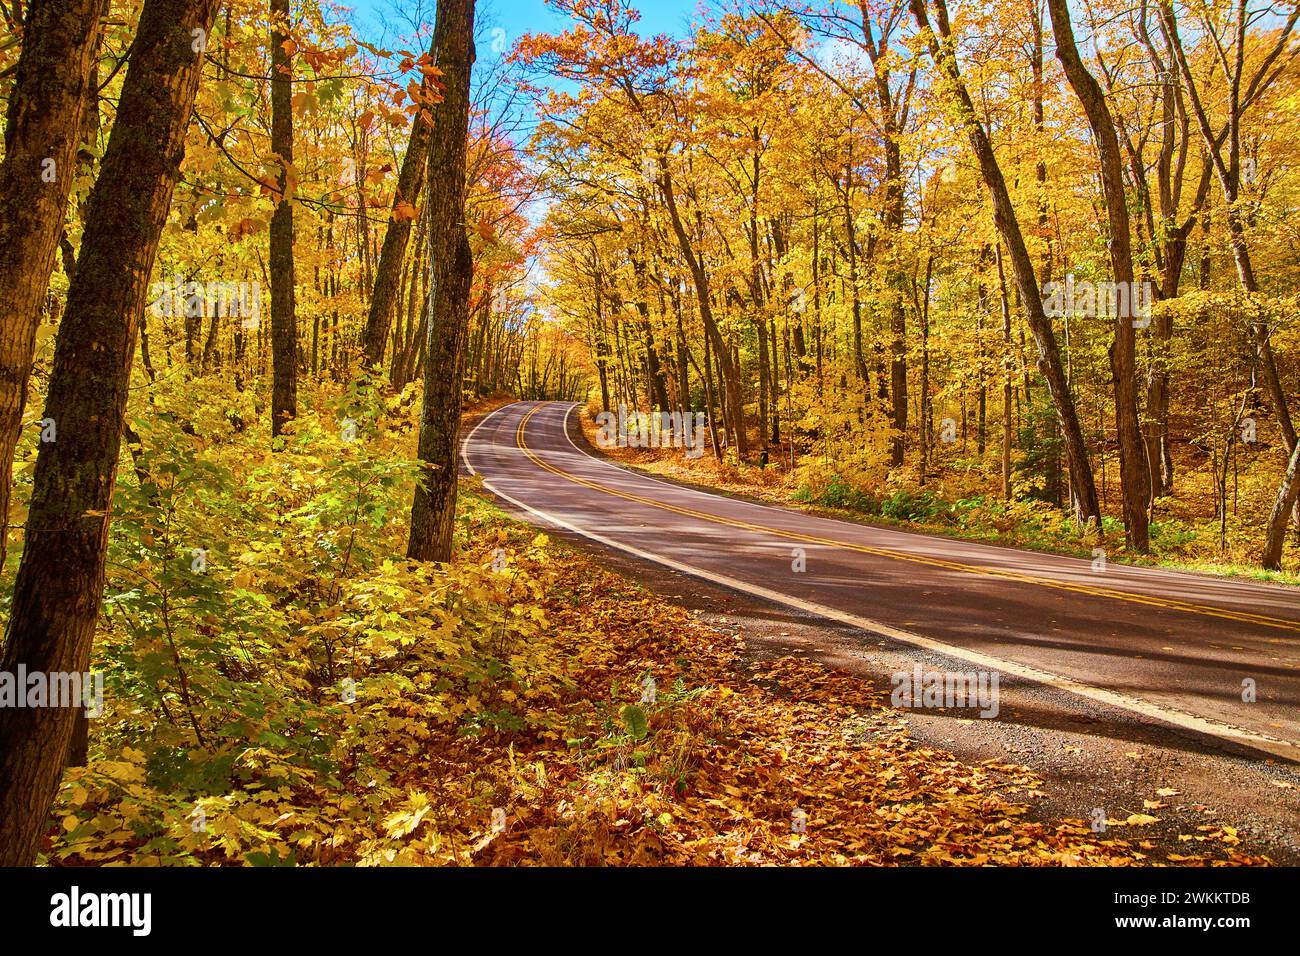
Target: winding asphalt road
[(1171, 648)]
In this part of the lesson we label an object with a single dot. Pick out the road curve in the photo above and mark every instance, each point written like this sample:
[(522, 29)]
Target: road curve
[(1170, 647)]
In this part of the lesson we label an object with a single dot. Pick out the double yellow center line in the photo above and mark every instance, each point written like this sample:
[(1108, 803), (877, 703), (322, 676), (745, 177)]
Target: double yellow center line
[(1130, 597)]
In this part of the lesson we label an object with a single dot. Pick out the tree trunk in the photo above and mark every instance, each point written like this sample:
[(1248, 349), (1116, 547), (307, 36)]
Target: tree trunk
[(434, 510), (1005, 301), (61, 578), (284, 327), (1283, 505), (409, 183), (52, 91), (733, 406), (897, 317), (1004, 216), (1132, 449)]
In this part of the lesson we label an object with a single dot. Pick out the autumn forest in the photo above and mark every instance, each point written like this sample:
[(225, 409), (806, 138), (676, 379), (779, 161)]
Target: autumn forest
[(969, 326)]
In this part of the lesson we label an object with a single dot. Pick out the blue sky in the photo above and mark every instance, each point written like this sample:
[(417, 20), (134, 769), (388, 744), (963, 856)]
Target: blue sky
[(518, 17)]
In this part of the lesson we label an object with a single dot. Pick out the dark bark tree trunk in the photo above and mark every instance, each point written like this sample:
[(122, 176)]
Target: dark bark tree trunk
[(434, 510), (1132, 449), (284, 322), (403, 365), (52, 92), (61, 578)]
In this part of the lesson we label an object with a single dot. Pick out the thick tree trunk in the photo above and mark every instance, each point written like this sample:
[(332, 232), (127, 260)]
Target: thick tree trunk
[(52, 92), (409, 183), (1004, 216), (434, 510), (1132, 450), (284, 322), (61, 579)]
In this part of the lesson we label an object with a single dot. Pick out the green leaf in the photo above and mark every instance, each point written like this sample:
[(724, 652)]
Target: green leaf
[(636, 722)]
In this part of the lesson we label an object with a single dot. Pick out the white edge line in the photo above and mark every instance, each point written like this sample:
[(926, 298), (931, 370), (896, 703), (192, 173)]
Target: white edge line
[(1138, 570), (464, 445), (1185, 721)]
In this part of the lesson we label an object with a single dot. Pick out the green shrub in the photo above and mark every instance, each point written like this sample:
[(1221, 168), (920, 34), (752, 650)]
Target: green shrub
[(904, 505), (838, 492)]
